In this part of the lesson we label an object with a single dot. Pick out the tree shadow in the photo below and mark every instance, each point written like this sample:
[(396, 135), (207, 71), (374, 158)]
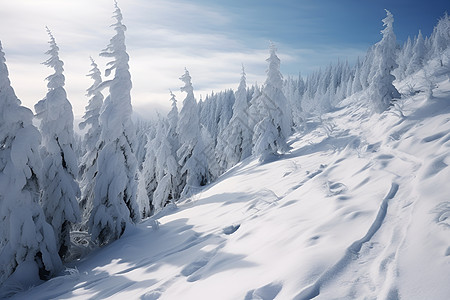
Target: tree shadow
[(433, 107), (135, 261), (329, 143)]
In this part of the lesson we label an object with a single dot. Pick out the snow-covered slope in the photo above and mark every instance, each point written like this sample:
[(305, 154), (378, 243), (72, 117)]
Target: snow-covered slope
[(359, 209)]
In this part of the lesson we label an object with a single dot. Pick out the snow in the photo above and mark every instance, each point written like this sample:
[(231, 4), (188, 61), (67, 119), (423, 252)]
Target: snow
[(358, 208), (27, 243)]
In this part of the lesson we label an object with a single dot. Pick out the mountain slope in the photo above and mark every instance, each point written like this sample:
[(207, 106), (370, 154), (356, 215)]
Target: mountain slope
[(359, 208)]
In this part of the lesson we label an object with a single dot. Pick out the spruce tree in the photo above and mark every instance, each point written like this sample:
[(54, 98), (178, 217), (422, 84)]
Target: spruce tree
[(147, 177), (92, 144), (115, 205), (60, 166), (191, 154), (418, 55), (272, 131), (166, 169), (381, 89), (25, 236), (234, 144)]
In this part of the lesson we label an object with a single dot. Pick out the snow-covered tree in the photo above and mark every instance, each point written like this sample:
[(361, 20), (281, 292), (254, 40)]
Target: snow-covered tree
[(224, 111), (92, 144), (166, 169), (273, 130), (169, 182), (142, 129), (210, 155), (25, 236), (356, 84), (403, 59), (60, 166), (294, 89), (207, 111), (368, 68), (115, 203), (172, 118), (418, 55), (381, 89), (147, 177), (440, 38), (235, 142), (254, 116), (325, 92), (216, 112), (191, 156)]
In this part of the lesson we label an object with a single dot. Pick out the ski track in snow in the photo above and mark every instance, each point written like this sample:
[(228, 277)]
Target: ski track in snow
[(351, 252)]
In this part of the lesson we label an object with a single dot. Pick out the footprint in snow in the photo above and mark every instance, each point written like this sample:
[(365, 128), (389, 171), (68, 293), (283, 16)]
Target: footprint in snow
[(190, 270), (443, 214), (267, 292), (336, 188), (194, 267), (231, 229)]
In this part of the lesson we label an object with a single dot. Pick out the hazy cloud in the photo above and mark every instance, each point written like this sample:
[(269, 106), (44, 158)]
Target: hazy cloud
[(163, 38)]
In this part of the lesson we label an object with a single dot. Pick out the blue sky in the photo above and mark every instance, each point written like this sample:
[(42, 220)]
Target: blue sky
[(210, 38)]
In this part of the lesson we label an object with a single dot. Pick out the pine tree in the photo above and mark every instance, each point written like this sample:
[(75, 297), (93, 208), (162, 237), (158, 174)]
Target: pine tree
[(224, 111), (254, 117), (60, 166), (191, 155), (381, 90), (25, 236), (166, 169), (440, 38), (174, 143), (172, 118), (234, 144), (356, 84), (418, 55), (403, 59), (92, 144), (293, 89), (368, 68), (210, 155), (115, 205), (273, 130), (208, 114), (142, 128)]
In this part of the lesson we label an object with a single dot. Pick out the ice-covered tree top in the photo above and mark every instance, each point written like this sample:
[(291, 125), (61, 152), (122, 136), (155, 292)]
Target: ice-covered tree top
[(186, 78), (96, 75), (117, 109), (173, 99), (55, 110), (388, 23), (172, 116), (240, 105), (274, 76), (7, 97), (91, 116), (243, 83), (116, 47), (188, 127), (57, 79)]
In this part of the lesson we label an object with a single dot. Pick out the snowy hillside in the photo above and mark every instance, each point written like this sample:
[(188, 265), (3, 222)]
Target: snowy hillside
[(359, 208)]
